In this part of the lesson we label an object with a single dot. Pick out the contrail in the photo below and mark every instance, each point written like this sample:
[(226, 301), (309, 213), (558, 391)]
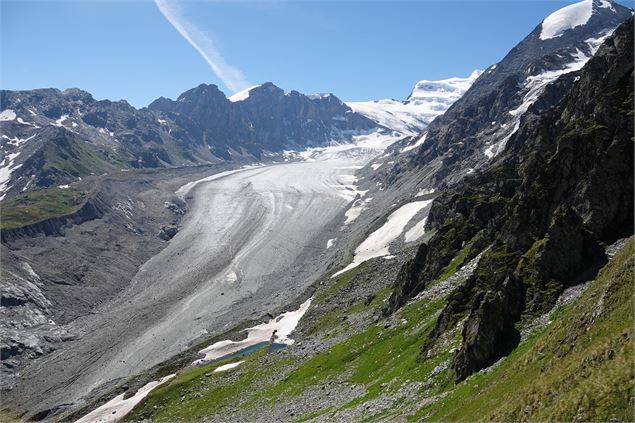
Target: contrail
[(231, 77)]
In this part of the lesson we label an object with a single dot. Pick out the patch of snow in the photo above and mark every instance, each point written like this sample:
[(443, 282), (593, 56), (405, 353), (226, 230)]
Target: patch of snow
[(566, 18), (420, 141), (242, 95), (59, 122), (21, 121), (280, 327), (26, 266), (605, 4), (64, 186), (228, 366), (377, 244), (318, 96), (7, 115), (376, 166), (74, 124), (330, 243), (535, 85), (17, 141), (425, 191), (162, 121), (6, 169), (416, 231), (231, 277), (117, 408), (496, 148)]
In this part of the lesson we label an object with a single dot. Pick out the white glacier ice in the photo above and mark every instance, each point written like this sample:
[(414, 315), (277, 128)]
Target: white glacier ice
[(566, 18)]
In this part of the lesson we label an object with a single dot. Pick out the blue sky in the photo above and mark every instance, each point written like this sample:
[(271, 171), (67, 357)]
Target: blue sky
[(358, 50)]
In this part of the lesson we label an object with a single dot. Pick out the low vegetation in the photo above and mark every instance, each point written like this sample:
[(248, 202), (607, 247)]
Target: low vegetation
[(577, 367), (36, 206)]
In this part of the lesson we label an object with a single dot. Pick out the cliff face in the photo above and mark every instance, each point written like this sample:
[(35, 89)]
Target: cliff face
[(544, 210)]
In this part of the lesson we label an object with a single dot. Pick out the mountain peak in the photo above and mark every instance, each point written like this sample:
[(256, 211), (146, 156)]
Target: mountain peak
[(243, 95), (202, 90), (579, 14), (446, 89)]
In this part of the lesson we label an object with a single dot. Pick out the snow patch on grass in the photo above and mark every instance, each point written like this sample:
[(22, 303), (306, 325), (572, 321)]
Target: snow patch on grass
[(117, 408), (228, 366), (281, 327)]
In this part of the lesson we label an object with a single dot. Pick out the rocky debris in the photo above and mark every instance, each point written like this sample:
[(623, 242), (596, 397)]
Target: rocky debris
[(443, 288), (49, 281), (167, 232), (176, 206), (26, 328)]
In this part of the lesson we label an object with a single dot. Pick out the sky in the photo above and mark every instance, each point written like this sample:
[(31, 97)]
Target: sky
[(359, 50)]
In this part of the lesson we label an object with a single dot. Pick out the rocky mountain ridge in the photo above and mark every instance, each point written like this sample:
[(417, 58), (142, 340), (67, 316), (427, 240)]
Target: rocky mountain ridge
[(545, 209), (52, 137), (477, 127)]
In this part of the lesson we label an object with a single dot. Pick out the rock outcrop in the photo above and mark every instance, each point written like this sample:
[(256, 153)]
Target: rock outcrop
[(547, 207)]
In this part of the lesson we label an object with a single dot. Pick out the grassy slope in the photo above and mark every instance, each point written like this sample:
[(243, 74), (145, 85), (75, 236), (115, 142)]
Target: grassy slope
[(37, 206), (578, 367)]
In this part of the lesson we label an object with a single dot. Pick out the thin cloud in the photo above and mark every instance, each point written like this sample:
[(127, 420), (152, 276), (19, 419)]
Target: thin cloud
[(231, 77)]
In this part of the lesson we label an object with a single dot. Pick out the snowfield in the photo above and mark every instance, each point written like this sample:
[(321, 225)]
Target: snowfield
[(228, 366), (416, 232), (280, 326), (242, 95), (7, 115), (427, 100), (117, 408), (566, 18), (377, 244)]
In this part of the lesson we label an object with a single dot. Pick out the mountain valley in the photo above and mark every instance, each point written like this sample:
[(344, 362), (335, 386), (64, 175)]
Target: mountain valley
[(465, 254)]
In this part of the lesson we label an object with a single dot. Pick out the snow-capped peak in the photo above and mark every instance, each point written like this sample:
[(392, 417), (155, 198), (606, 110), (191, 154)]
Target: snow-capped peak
[(318, 96), (571, 16), (427, 100), (242, 95), (443, 92)]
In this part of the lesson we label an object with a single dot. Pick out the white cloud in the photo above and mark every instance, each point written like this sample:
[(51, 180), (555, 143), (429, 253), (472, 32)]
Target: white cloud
[(231, 77)]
